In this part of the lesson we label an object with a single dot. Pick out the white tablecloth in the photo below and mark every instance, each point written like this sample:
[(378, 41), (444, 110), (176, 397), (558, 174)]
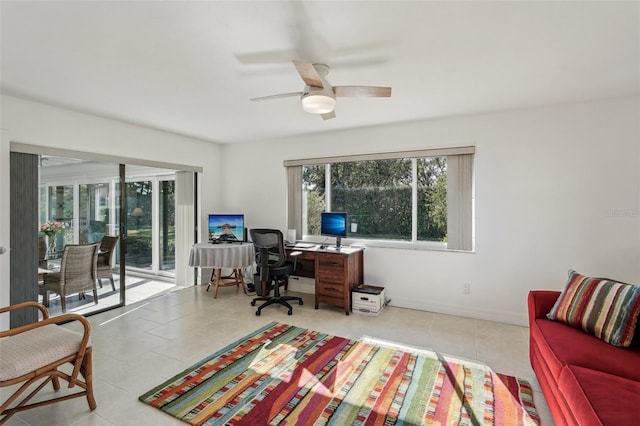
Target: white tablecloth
[(225, 255)]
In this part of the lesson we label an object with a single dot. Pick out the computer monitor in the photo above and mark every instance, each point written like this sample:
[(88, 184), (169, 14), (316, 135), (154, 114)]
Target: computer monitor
[(334, 224), (226, 228)]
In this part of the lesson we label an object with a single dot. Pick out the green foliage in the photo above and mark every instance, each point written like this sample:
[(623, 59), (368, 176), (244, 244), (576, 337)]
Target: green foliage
[(378, 197), (432, 199), (315, 206), (313, 181)]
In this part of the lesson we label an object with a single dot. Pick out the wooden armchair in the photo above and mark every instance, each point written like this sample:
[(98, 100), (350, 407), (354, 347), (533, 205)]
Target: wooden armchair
[(78, 273), (33, 353), (105, 259)]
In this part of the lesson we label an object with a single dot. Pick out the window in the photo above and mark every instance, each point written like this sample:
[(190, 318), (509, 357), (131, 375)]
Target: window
[(415, 197), (89, 207), (167, 225), (94, 212), (60, 209), (139, 224)]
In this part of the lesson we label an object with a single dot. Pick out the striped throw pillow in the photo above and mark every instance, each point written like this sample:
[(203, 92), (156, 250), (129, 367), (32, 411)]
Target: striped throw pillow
[(607, 309)]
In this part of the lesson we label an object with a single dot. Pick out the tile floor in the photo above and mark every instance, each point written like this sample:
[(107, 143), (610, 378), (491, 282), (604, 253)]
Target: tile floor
[(139, 346)]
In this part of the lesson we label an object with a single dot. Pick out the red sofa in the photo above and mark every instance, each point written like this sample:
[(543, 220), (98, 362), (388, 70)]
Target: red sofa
[(584, 380)]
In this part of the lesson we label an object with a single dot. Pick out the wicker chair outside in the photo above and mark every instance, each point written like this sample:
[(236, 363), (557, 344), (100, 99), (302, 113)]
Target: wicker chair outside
[(78, 273), (42, 253), (105, 260)]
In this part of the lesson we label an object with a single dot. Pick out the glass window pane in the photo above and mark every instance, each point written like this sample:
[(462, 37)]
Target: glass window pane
[(61, 210), (313, 198), (139, 220), (432, 198), (376, 195), (94, 212), (167, 225)]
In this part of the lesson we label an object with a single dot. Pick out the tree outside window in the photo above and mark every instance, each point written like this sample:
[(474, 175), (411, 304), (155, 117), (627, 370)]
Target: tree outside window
[(378, 194)]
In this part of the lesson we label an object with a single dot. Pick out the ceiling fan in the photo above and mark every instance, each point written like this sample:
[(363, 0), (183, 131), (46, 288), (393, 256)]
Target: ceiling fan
[(319, 97)]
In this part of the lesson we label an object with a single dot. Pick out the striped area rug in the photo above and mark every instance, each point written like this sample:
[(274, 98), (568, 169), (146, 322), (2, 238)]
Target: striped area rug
[(282, 374)]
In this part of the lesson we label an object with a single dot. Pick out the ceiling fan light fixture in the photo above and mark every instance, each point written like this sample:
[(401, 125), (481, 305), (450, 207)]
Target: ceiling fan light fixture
[(318, 104)]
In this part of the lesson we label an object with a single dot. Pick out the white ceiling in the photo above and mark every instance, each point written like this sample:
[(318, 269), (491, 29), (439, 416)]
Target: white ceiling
[(190, 67)]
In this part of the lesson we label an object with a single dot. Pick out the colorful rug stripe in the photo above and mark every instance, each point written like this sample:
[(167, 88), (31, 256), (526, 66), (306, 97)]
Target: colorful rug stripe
[(282, 374)]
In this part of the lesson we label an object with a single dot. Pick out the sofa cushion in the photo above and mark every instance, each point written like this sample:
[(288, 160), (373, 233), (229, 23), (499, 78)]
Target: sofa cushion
[(588, 393), (604, 308), (560, 345)]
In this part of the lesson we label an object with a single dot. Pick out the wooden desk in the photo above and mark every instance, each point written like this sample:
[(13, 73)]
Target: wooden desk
[(234, 256), (336, 273)]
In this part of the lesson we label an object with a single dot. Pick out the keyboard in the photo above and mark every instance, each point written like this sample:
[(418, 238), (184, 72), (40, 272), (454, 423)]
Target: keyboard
[(301, 245)]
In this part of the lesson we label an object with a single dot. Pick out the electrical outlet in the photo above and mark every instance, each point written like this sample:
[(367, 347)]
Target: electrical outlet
[(466, 288)]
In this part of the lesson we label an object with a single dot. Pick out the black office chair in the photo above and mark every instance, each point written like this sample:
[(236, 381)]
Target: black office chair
[(273, 266)]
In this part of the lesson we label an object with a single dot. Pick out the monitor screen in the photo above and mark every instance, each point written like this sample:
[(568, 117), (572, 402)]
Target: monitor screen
[(333, 224), (226, 227)]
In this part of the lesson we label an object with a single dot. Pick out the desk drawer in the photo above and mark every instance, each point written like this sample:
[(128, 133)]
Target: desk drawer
[(330, 268), (330, 289), (335, 301), (333, 275), (329, 260)]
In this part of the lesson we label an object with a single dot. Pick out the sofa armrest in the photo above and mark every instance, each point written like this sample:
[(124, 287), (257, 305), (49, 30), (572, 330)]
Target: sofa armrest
[(540, 303)]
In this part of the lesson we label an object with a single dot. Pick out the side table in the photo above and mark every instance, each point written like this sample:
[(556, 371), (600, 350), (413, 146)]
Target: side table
[(234, 256)]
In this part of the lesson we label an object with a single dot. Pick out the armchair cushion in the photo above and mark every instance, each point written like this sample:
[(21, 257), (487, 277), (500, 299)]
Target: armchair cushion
[(603, 308), (27, 352)]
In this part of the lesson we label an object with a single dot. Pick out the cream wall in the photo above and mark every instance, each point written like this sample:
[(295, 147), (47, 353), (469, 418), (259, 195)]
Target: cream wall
[(556, 188), (39, 124)]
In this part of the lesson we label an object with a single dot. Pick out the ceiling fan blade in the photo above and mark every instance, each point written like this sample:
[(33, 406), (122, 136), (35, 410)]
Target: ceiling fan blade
[(281, 95), (329, 115), (308, 73), (362, 91)]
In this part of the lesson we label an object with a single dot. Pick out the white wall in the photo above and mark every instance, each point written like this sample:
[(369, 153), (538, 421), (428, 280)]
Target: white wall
[(39, 124), (556, 188)]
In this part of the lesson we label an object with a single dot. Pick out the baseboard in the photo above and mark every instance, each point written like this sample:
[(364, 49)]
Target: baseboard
[(307, 285), (509, 317)]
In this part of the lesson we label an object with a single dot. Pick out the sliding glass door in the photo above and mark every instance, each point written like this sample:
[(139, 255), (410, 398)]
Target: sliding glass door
[(85, 199), (151, 224), (82, 199)]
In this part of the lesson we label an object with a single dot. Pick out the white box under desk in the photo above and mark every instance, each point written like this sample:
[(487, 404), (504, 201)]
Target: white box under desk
[(367, 302)]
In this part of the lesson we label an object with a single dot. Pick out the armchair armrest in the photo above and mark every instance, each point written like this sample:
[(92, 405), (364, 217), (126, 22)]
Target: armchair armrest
[(43, 310), (295, 255), (540, 302)]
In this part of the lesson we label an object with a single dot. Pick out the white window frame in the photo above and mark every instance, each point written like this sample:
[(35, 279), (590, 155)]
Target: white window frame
[(469, 228)]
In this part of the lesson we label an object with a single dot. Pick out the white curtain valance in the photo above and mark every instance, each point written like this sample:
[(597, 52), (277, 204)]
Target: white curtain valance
[(440, 152)]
